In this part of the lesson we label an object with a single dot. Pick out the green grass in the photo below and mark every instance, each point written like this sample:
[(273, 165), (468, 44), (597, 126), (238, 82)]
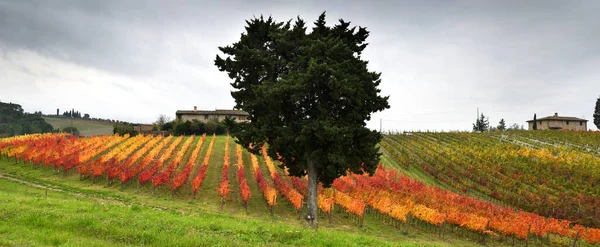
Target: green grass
[(80, 212), (30, 218), (85, 127), (413, 171)]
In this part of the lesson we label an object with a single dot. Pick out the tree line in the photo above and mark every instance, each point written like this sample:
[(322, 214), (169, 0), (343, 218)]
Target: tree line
[(482, 124), (164, 125), (14, 121)]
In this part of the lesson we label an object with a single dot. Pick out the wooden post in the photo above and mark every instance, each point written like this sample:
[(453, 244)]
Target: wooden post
[(528, 233), (575, 240), (484, 234)]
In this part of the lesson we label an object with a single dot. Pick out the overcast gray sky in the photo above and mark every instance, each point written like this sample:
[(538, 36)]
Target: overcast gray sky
[(440, 60)]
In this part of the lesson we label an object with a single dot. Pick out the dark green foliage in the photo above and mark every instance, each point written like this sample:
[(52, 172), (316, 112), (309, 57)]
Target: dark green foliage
[(308, 95), (182, 128), (71, 130), (14, 121), (168, 126), (597, 114), (196, 127), (482, 124), (124, 128), (534, 121), (501, 125), (74, 114)]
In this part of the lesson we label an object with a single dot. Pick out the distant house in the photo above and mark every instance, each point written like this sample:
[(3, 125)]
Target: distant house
[(143, 128), (557, 122), (206, 115)]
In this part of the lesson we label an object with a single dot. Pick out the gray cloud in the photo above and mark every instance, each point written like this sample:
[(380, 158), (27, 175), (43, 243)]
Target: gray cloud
[(439, 59)]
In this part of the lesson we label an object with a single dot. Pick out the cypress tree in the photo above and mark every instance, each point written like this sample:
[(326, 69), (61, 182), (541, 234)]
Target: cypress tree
[(309, 96)]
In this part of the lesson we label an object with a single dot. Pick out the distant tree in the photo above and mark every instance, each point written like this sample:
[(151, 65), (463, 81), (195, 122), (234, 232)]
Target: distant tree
[(162, 119), (124, 128), (197, 127), (481, 124), (597, 114), (182, 128), (534, 121), (168, 126), (57, 112), (211, 127), (228, 121), (221, 129), (86, 116), (501, 125), (72, 130), (325, 94)]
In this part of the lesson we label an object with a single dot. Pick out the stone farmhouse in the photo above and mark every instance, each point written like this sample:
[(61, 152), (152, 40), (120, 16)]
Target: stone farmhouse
[(557, 122), (207, 115)]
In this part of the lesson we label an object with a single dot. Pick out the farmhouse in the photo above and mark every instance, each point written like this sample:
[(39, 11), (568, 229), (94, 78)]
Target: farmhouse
[(557, 122), (143, 128), (206, 115)]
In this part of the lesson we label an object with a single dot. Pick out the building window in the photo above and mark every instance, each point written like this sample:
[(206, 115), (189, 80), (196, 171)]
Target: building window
[(567, 122), (540, 122), (205, 116), (580, 123)]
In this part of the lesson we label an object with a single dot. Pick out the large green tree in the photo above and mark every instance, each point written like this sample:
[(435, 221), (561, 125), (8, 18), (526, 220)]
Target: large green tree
[(309, 95), (597, 114)]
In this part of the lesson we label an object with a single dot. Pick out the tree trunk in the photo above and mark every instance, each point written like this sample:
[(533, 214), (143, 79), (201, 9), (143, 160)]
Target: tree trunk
[(311, 201)]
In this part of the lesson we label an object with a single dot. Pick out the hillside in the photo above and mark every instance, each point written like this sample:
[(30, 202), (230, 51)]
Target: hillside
[(110, 214), (14, 121), (555, 174), (85, 127), (205, 175)]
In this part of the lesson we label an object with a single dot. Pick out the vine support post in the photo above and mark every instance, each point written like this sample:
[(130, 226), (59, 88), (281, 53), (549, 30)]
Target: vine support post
[(528, 233), (487, 226), (222, 203)]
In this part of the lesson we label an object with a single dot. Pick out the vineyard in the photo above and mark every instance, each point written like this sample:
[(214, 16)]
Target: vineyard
[(518, 187)]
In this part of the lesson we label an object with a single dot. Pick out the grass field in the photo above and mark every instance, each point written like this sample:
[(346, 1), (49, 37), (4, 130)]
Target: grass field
[(79, 212), (85, 127)]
